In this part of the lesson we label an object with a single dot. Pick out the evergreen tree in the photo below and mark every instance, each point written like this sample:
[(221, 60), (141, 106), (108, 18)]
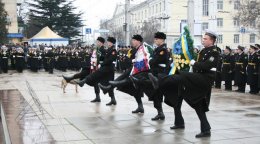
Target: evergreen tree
[(58, 15), (3, 24)]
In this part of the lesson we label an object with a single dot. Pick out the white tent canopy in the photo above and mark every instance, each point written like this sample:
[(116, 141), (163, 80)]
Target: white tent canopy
[(48, 37)]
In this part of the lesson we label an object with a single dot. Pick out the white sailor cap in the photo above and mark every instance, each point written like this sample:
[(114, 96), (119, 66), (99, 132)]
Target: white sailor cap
[(211, 33), (3, 47)]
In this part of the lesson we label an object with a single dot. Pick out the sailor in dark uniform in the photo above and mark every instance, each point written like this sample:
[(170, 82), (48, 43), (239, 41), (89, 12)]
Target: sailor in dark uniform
[(49, 58), (33, 60), (86, 70), (106, 71), (19, 60), (258, 53), (77, 61), (252, 69), (101, 51), (159, 67), (194, 88), (228, 68), (124, 83), (44, 59), (4, 56), (12, 57), (241, 61), (218, 79), (63, 60)]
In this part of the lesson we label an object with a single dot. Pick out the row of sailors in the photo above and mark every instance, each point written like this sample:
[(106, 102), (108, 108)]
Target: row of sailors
[(49, 59), (61, 59), (241, 67)]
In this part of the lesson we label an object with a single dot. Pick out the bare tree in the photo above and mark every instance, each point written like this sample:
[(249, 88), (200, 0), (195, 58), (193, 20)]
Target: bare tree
[(249, 14), (105, 24), (114, 31), (133, 30), (148, 29)]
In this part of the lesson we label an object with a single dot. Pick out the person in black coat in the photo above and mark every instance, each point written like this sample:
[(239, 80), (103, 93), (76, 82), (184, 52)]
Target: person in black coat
[(19, 60), (124, 83), (159, 66), (49, 57), (241, 61), (252, 69), (218, 79), (106, 72), (4, 56), (33, 60), (228, 68), (86, 69), (194, 88), (258, 52)]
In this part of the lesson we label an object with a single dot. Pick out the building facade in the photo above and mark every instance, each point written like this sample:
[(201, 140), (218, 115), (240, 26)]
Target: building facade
[(155, 12), (11, 8), (217, 15)]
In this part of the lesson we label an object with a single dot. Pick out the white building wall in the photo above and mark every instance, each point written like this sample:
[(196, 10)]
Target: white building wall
[(11, 8), (177, 10)]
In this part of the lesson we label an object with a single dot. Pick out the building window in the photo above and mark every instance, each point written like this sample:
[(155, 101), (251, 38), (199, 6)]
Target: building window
[(205, 8), (252, 38), (236, 4), (163, 6), (205, 26), (220, 5), (220, 39), (236, 38), (253, 24), (160, 7), (236, 22), (220, 22)]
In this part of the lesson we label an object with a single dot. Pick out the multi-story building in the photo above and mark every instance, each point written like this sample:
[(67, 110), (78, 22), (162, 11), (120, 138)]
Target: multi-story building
[(155, 11), (11, 8), (217, 15)]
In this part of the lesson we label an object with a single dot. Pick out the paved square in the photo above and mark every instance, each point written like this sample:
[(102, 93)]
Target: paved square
[(234, 117)]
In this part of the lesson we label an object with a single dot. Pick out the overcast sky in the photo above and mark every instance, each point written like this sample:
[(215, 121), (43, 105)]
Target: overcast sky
[(95, 10)]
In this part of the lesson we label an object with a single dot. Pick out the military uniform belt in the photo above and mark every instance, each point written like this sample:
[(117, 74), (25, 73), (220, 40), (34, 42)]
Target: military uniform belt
[(162, 65), (239, 63), (252, 64), (19, 56), (4, 57), (226, 63)]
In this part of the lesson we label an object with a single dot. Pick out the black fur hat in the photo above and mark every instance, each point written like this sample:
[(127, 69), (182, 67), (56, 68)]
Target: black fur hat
[(112, 40), (102, 40), (138, 38), (160, 35)]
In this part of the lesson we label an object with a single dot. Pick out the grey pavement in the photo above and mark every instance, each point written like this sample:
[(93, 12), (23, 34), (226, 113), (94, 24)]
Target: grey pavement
[(234, 117)]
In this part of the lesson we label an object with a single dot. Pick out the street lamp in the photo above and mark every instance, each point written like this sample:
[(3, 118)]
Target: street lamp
[(127, 18), (190, 16)]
